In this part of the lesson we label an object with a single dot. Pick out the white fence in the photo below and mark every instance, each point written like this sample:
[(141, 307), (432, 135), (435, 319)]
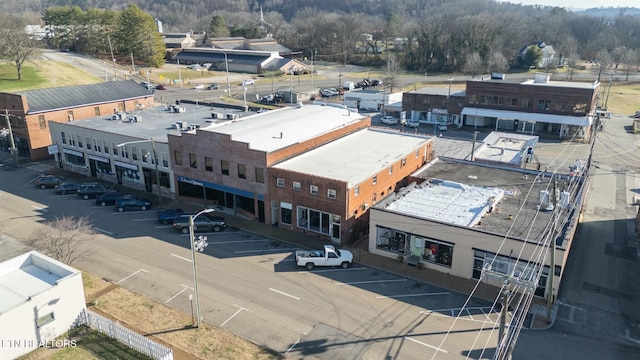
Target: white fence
[(125, 335)]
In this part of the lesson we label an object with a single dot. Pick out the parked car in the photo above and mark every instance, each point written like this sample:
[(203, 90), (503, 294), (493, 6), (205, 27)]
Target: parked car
[(412, 123), (132, 203), (204, 222), (198, 86), (92, 190), (167, 216), (108, 198), (389, 120), (48, 181), (67, 188), (442, 127), (327, 93), (161, 87), (213, 87), (246, 82)]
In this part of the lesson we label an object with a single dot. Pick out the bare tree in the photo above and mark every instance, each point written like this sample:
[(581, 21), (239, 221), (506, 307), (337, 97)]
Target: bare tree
[(393, 68), (15, 44), (64, 239)]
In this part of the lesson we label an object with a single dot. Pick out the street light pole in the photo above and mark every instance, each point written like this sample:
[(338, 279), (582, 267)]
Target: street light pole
[(192, 238), (13, 148), (448, 100), (155, 163), (226, 64)]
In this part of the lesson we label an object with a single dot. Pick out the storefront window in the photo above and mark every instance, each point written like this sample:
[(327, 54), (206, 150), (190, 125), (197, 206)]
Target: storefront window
[(314, 220), (128, 174), (437, 252), (392, 240), (74, 159)]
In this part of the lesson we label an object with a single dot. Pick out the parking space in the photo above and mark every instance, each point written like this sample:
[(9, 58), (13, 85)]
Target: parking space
[(249, 284)]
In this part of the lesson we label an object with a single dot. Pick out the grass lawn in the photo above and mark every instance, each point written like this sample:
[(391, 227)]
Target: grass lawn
[(42, 74), (91, 345)]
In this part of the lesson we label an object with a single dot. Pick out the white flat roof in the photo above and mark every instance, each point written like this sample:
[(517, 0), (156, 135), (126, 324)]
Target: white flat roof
[(505, 147), (532, 117), (27, 275), (447, 201), (356, 157), (277, 129)]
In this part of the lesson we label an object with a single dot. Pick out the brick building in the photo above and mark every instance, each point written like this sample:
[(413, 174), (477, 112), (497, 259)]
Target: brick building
[(30, 111), (328, 190), (227, 163), (535, 106)]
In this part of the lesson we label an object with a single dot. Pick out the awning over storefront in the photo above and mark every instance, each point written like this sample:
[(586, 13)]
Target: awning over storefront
[(532, 117)]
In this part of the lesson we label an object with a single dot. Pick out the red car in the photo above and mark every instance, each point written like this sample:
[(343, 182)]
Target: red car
[(161, 87)]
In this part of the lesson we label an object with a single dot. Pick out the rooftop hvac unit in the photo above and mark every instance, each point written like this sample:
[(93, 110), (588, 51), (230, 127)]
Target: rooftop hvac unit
[(232, 116), (544, 197), (564, 199), (181, 110)]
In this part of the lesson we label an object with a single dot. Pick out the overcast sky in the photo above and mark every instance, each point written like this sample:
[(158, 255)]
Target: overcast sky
[(580, 4)]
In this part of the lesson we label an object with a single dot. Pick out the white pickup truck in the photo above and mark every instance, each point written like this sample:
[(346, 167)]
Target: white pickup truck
[(329, 256)]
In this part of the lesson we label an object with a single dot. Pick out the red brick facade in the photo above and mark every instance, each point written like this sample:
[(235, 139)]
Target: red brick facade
[(351, 208), (219, 147), (33, 129)]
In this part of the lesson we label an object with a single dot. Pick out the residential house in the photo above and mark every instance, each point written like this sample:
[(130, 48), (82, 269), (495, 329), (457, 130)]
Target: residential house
[(548, 58)]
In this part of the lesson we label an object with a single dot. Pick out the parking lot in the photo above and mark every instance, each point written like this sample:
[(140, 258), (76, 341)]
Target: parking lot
[(250, 285)]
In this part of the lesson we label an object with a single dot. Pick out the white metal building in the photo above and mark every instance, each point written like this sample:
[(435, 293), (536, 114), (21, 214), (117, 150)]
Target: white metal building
[(370, 100), (40, 299)]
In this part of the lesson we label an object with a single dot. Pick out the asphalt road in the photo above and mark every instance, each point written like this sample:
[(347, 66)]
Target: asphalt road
[(250, 285)]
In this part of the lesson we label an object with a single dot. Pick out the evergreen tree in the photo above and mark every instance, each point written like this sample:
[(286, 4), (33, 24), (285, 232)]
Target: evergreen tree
[(218, 27), (137, 34)]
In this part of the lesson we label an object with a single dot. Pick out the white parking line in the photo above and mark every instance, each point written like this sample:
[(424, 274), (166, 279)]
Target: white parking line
[(368, 282), (180, 257), (427, 345), (326, 270), (127, 212), (178, 293), (285, 294), (410, 295), (239, 241), (292, 346), (263, 250), (104, 231), (132, 275), (234, 314)]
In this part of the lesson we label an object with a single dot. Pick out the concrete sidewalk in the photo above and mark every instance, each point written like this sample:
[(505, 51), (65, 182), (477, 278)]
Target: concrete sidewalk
[(359, 249)]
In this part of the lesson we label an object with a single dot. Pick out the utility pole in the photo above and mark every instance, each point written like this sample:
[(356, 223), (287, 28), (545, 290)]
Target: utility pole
[(523, 280), (133, 64), (13, 144), (473, 145), (552, 253)]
